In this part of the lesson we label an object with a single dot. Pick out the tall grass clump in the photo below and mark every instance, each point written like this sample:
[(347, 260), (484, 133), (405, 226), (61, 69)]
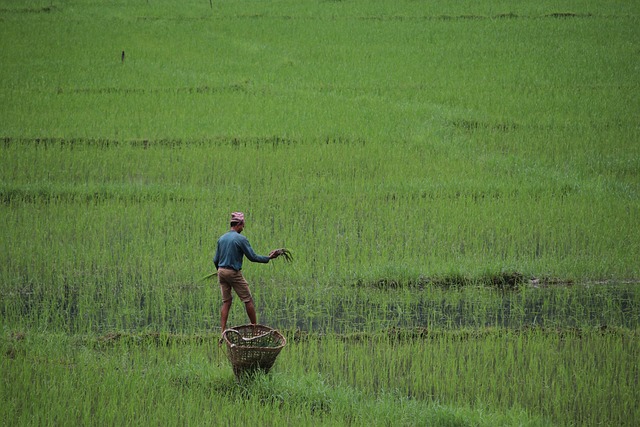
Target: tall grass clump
[(555, 372), (150, 379)]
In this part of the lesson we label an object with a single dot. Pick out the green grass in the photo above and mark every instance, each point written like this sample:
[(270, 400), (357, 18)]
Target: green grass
[(399, 378), (457, 181)]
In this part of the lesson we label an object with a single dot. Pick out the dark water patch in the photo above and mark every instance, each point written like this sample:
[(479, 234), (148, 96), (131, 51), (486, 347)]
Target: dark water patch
[(394, 18), (146, 143), (472, 17), (46, 196), (31, 10), (401, 18), (509, 15), (13, 348), (410, 18), (470, 126), (65, 307), (170, 18), (27, 298), (343, 140), (503, 303), (548, 281), (202, 90), (459, 17), (380, 18), (568, 306), (272, 140), (567, 15), (508, 280), (32, 303), (475, 196), (275, 141), (55, 142)]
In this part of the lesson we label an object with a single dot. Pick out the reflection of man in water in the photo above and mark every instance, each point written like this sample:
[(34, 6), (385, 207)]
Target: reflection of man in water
[(231, 249)]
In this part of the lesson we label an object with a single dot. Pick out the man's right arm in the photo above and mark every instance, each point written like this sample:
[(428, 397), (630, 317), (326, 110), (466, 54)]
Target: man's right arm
[(250, 253)]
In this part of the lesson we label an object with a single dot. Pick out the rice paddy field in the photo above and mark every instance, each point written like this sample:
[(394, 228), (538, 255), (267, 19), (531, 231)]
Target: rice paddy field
[(458, 183)]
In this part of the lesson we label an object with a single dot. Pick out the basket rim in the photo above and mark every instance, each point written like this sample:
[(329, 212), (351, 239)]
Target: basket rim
[(268, 329)]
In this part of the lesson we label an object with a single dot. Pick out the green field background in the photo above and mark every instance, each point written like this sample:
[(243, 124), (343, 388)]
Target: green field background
[(432, 165), (376, 140)]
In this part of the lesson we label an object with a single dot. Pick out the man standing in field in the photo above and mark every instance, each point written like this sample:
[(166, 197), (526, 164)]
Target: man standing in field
[(231, 249)]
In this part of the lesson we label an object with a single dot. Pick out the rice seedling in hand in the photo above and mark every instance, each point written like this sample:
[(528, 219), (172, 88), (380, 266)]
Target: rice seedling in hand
[(209, 276), (286, 253)]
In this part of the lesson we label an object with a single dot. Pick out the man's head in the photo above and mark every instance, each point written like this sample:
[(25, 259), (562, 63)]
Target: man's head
[(237, 221)]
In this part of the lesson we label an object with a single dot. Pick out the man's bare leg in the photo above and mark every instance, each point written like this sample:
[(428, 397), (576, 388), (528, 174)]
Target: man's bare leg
[(251, 312), (224, 314)]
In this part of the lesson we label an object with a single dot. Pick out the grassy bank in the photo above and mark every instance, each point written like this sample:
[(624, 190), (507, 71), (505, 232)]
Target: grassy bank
[(472, 377)]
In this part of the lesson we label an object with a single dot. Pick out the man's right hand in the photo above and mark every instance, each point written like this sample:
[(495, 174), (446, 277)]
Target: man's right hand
[(282, 251)]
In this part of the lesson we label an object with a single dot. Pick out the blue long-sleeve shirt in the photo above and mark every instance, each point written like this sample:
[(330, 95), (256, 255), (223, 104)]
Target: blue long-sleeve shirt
[(232, 247)]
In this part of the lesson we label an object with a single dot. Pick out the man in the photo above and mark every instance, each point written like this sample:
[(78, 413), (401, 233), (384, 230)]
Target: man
[(231, 249)]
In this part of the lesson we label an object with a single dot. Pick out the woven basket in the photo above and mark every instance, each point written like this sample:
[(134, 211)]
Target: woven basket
[(253, 348)]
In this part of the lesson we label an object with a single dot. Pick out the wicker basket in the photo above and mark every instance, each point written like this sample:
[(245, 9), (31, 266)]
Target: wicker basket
[(253, 348)]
